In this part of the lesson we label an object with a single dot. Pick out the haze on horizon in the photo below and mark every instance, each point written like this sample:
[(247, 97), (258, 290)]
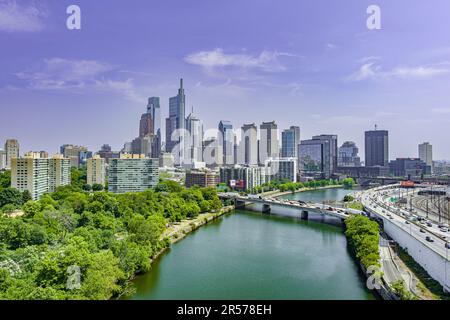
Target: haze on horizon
[(311, 63)]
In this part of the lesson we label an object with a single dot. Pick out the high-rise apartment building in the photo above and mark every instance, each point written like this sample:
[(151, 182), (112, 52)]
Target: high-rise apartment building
[(281, 169), (12, 151), (426, 154), (96, 170), (268, 141), (132, 173), (242, 177), (226, 140), (2, 159), (377, 148), (201, 178), (248, 147), (39, 175)]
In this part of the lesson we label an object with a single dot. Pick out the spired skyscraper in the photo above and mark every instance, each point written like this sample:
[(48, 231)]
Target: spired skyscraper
[(194, 139), (154, 109), (175, 124), (377, 148)]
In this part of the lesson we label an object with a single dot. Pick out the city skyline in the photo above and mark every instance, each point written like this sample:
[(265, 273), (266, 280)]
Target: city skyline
[(289, 75)]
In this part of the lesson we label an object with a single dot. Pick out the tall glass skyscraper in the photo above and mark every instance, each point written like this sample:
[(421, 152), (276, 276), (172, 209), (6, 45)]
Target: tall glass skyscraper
[(176, 121), (227, 141), (154, 109), (290, 139)]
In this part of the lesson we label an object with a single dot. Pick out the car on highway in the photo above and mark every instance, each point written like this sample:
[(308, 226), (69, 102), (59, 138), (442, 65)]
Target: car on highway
[(429, 239), (447, 245), (422, 230), (407, 222), (444, 229), (429, 224)]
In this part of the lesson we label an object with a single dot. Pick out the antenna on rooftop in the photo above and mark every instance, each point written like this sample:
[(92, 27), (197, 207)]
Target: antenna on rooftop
[(376, 127)]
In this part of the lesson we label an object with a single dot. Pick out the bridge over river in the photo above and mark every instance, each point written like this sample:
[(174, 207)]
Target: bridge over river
[(291, 208)]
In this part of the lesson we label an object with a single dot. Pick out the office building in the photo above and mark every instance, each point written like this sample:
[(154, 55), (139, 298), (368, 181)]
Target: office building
[(227, 141), (194, 139), (426, 154), (166, 160), (12, 151), (154, 109), (96, 171), (132, 173), (212, 152), (348, 155), (202, 178), (248, 146), (77, 154), (268, 141), (377, 148), (39, 175), (175, 124), (408, 167), (318, 156), (290, 140)]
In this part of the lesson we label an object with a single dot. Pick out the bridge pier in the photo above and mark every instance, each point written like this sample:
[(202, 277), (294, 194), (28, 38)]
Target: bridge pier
[(266, 208), (304, 215)]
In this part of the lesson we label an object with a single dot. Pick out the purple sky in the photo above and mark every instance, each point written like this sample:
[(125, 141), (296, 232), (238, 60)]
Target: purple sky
[(311, 63)]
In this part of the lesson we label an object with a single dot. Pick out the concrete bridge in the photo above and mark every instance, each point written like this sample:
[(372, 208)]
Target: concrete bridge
[(293, 208)]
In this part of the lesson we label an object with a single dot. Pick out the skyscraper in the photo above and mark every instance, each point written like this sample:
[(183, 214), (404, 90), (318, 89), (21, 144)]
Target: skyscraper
[(348, 155), (2, 159), (377, 148), (426, 154), (77, 154), (154, 109), (212, 152), (248, 147), (194, 139), (227, 141), (290, 139), (319, 155), (330, 152), (12, 151), (176, 121), (268, 143)]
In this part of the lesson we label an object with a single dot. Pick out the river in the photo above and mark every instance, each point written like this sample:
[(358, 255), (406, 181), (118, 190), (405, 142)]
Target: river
[(247, 255)]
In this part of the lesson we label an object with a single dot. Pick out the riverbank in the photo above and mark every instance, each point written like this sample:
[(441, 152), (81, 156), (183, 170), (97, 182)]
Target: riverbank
[(178, 231)]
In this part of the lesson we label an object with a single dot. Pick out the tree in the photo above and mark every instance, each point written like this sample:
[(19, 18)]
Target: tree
[(10, 196), (5, 179), (97, 187)]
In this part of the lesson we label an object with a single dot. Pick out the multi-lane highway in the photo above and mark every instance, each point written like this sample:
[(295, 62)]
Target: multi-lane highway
[(431, 234)]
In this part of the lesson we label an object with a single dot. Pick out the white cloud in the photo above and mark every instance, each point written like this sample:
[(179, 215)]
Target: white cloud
[(266, 60), (441, 110), (371, 70), (58, 73), (18, 18), (64, 74)]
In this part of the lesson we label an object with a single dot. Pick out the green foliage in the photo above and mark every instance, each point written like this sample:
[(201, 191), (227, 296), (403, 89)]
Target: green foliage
[(286, 185), (348, 198), (400, 290), (348, 182), (109, 237), (5, 179), (363, 236), (78, 177)]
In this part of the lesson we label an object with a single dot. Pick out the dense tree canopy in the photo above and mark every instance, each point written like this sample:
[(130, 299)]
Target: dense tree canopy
[(74, 244)]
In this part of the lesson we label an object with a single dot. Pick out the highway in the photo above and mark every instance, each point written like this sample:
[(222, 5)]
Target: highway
[(378, 201)]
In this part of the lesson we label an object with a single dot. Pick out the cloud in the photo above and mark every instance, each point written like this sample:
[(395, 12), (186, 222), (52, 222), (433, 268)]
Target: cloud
[(266, 60), (20, 18), (441, 110), (64, 74), (373, 71), (58, 73)]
